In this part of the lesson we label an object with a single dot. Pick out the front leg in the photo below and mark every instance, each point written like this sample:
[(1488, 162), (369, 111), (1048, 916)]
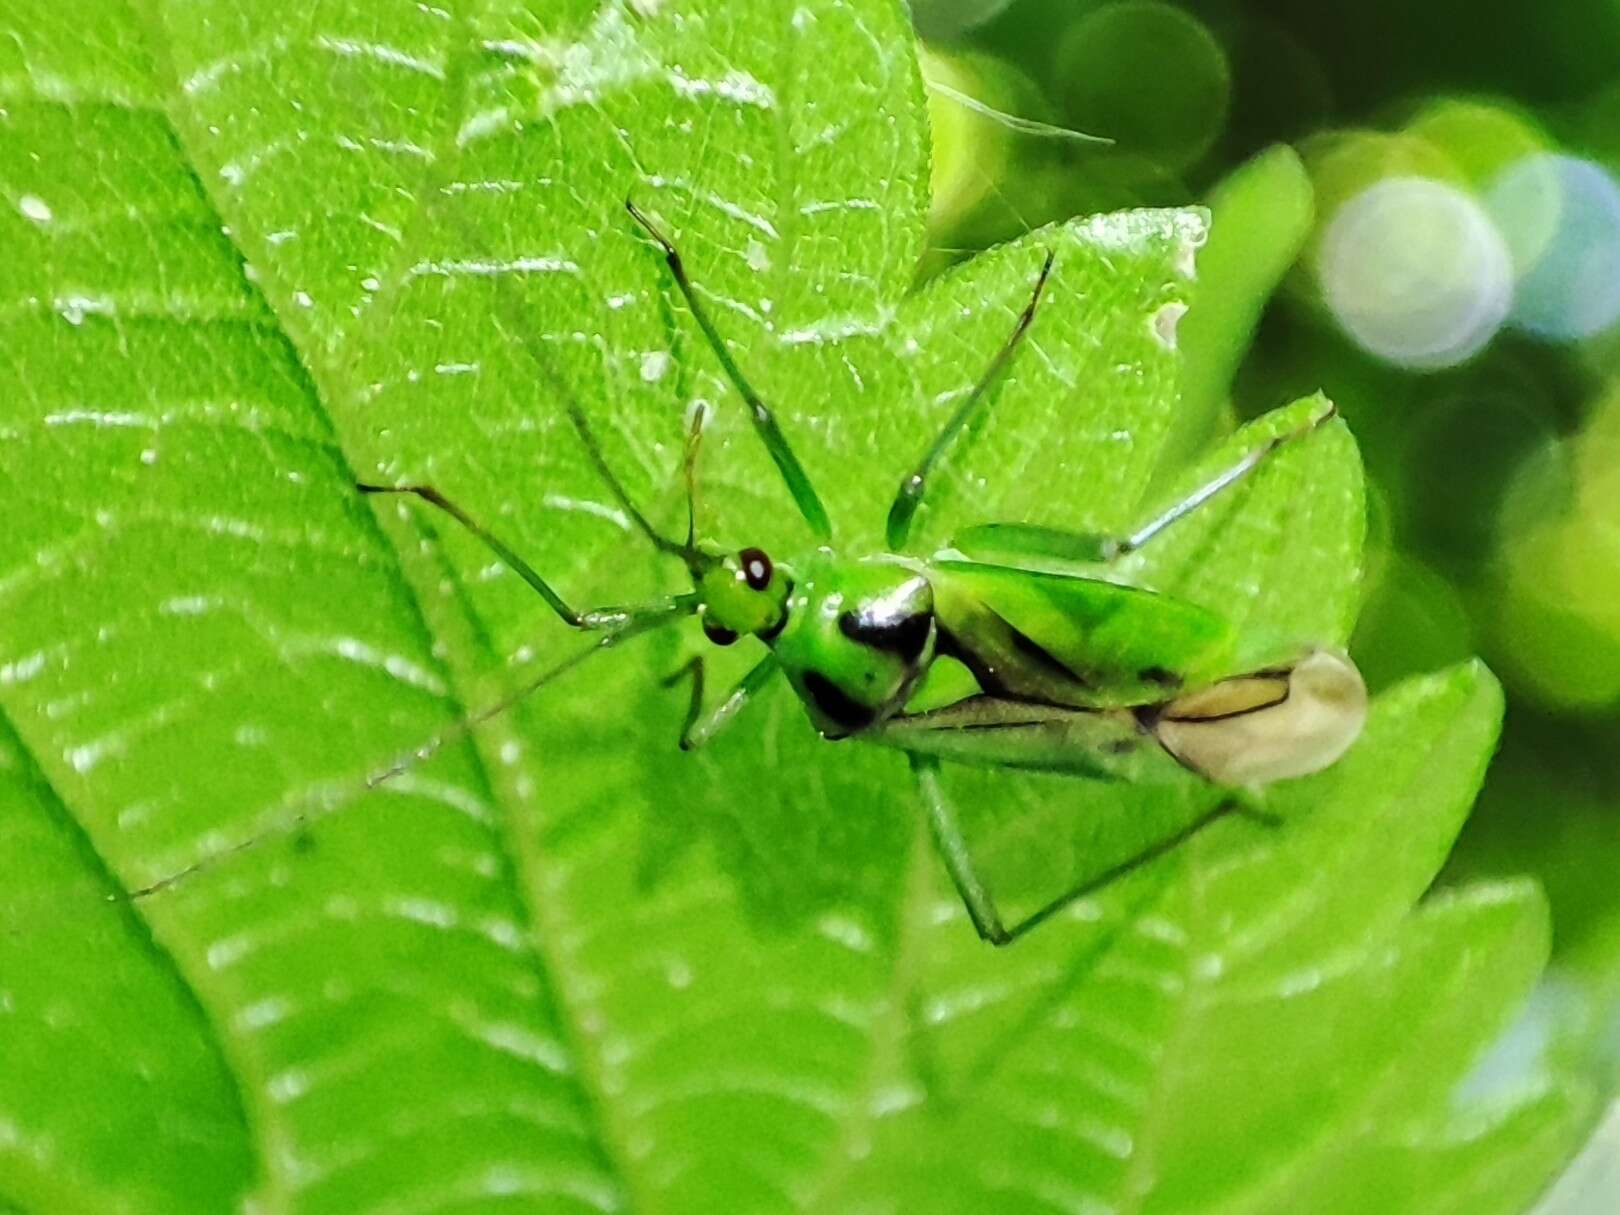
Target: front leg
[(699, 727), (610, 620)]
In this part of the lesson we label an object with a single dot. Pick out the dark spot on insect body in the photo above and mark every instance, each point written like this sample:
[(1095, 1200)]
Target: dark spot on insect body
[(756, 568), (837, 705), (1160, 676), (717, 634), (905, 636), (1120, 746)]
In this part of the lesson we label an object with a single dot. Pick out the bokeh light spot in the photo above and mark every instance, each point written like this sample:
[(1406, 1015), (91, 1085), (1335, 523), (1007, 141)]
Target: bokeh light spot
[(1557, 614), (1560, 216), (1540, 489), (1416, 272), (1413, 620), (1480, 138), (1462, 450), (1597, 465), (1344, 163), (1149, 76), (1558, 606), (1281, 89)]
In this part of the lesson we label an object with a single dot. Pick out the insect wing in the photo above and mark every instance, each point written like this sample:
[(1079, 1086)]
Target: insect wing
[(985, 731), (1039, 803), (1064, 639), (1269, 725)]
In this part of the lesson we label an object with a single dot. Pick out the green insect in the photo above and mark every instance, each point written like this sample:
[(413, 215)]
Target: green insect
[(983, 654)]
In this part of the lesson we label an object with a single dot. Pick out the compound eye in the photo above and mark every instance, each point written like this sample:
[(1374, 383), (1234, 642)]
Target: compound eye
[(756, 568), (718, 635)]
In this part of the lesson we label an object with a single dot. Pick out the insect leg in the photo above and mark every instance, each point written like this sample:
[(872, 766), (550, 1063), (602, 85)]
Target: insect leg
[(911, 490), (953, 850), (699, 727), (1013, 543), (1108, 877), (765, 424), (1230, 476), (602, 619)]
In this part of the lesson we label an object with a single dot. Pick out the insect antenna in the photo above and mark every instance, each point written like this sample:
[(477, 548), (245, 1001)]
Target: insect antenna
[(320, 806), (1018, 125), (619, 625), (514, 312), (763, 417), (694, 439), (1005, 200)]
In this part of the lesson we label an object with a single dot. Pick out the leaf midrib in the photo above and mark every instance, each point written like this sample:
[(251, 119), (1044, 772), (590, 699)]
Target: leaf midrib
[(889, 1032), (423, 576), (418, 580), (103, 875)]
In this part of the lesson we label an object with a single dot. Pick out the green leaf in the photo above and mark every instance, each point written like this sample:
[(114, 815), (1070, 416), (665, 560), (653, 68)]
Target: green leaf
[(1262, 217), (256, 252), (115, 1094)]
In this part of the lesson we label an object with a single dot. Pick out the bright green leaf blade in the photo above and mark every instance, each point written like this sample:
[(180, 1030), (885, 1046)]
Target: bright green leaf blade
[(565, 968), (1279, 553), (1261, 215), (1118, 275), (1390, 1032), (1168, 1067), (1489, 1162), (88, 990), (203, 628), (1370, 833), (474, 277), (1073, 435)]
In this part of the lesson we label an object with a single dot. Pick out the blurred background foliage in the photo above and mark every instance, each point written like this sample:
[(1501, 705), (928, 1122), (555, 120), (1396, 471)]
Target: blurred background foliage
[(1446, 234)]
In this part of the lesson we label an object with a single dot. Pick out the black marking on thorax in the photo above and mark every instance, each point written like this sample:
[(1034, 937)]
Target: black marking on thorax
[(837, 705), (905, 636)]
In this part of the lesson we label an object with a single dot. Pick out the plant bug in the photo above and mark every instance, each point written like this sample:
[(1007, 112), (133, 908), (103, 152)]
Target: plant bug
[(1010, 649)]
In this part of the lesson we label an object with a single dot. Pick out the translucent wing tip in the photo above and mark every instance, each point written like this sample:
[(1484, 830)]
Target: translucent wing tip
[(1270, 725)]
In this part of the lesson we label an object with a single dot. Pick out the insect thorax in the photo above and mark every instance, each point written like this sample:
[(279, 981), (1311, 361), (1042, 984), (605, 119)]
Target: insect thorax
[(859, 634)]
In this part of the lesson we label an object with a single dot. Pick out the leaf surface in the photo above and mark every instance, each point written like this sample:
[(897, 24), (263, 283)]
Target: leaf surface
[(256, 251)]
